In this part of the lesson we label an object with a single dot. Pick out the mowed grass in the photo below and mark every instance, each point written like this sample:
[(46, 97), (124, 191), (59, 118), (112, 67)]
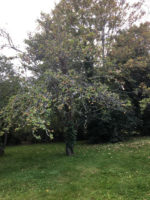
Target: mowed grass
[(96, 172)]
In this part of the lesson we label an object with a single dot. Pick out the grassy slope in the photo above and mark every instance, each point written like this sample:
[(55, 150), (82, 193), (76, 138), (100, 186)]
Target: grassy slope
[(99, 172)]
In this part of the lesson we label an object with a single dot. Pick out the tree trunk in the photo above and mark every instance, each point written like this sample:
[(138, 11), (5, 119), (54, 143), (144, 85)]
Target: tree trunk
[(114, 138), (3, 145), (103, 45), (1, 151), (69, 150), (5, 140)]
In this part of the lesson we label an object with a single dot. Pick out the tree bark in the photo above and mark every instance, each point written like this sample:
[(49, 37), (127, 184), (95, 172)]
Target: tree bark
[(5, 140), (1, 151), (103, 45), (3, 145), (114, 138), (69, 150)]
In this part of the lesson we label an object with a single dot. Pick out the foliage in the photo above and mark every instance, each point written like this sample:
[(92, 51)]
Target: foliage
[(9, 80), (77, 33), (67, 98), (80, 102), (9, 86), (30, 109), (130, 65)]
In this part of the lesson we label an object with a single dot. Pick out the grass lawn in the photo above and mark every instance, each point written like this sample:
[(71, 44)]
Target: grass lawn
[(96, 172)]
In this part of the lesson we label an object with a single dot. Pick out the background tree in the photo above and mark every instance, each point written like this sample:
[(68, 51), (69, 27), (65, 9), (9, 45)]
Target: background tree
[(130, 60), (10, 82), (9, 86)]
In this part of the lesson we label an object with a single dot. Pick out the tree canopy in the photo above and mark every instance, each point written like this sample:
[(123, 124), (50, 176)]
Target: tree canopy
[(90, 67)]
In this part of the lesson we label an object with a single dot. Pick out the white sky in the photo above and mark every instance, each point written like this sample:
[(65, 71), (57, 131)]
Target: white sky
[(18, 17)]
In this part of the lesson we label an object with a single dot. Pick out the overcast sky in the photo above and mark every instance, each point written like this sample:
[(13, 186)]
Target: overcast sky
[(18, 17)]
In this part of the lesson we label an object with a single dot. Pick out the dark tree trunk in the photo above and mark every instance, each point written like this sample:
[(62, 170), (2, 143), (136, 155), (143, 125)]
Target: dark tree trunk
[(5, 140), (69, 150), (137, 108), (70, 135), (114, 138), (63, 65), (1, 151), (3, 145), (88, 67)]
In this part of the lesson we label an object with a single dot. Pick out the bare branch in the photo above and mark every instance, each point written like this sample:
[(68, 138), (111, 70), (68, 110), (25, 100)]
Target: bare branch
[(9, 43)]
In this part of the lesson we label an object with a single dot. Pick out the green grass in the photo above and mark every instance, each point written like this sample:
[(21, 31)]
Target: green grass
[(96, 172)]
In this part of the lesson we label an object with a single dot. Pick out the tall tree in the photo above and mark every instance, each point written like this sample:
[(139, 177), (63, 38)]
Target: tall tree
[(77, 34)]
